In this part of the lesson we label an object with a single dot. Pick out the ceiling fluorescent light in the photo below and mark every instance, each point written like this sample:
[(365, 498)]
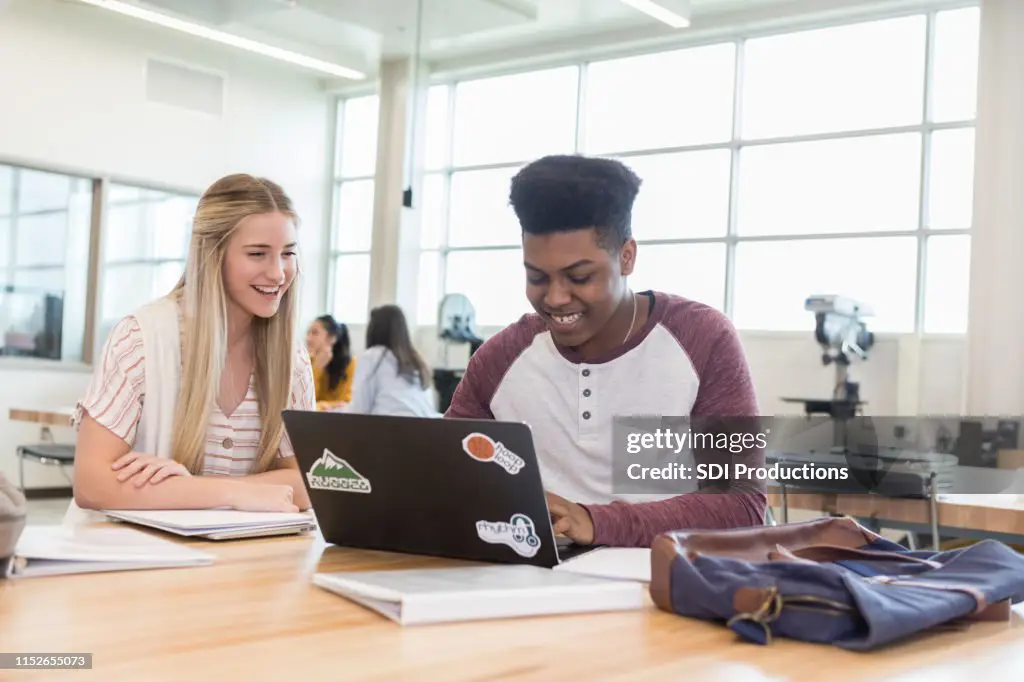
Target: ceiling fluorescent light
[(201, 31), (653, 9)]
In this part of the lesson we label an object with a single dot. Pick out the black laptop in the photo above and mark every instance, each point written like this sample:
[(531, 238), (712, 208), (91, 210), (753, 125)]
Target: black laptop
[(457, 488)]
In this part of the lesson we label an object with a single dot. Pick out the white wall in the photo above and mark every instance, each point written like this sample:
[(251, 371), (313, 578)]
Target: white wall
[(996, 320), (74, 84), (74, 99), (33, 388)]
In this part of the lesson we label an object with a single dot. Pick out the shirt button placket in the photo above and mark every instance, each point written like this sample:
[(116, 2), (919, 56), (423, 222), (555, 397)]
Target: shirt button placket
[(585, 372)]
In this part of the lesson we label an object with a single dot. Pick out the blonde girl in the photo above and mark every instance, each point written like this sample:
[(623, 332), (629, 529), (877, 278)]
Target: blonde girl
[(184, 409)]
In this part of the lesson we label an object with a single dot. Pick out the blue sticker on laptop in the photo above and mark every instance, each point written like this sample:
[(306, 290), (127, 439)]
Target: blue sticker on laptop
[(480, 447), (519, 533), (331, 472)]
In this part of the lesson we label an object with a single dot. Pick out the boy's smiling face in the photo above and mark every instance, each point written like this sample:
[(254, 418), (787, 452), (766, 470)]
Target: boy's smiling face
[(574, 283)]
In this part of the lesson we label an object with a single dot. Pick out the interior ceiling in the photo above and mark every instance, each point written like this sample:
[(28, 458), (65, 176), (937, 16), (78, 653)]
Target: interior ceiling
[(358, 33)]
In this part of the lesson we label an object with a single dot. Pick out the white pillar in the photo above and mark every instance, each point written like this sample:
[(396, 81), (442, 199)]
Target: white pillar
[(908, 378), (995, 337), (395, 247)]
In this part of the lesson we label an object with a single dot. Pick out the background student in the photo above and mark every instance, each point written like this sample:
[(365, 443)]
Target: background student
[(330, 351), (391, 376), (184, 408)]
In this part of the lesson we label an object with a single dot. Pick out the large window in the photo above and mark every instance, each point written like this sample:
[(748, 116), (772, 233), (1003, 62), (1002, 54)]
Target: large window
[(628, 106), (45, 226), (857, 77), (352, 235), (145, 247), (59, 297), (476, 143), (835, 160)]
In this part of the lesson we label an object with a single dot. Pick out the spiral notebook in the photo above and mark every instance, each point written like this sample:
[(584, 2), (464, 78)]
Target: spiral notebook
[(444, 595), (47, 550), (612, 563), (218, 524)]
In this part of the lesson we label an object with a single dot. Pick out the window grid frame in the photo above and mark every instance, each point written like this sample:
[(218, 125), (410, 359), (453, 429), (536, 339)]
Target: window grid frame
[(14, 217), (12, 268), (925, 128), (12, 224), (103, 204), (99, 204), (924, 186), (155, 261), (338, 179)]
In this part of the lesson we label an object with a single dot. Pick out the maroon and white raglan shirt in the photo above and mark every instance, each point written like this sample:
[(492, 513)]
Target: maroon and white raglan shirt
[(686, 360)]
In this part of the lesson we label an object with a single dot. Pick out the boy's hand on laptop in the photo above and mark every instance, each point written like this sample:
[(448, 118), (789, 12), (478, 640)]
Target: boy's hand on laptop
[(571, 520), (142, 469)]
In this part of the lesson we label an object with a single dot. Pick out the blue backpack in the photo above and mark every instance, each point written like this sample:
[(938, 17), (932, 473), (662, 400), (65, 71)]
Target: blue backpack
[(829, 581)]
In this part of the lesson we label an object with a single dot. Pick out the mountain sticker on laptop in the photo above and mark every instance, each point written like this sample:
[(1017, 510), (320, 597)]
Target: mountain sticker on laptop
[(519, 533), (331, 472), (480, 447)]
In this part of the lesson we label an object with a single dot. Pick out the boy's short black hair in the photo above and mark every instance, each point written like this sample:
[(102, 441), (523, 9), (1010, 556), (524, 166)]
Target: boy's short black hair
[(570, 192)]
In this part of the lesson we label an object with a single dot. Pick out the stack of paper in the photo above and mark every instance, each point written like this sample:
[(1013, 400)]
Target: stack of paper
[(66, 549), (612, 563), (438, 595), (218, 524)]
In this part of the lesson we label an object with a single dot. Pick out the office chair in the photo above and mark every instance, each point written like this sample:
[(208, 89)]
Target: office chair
[(48, 454)]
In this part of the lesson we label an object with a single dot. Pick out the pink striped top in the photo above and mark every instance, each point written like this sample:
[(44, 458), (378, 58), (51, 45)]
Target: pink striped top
[(118, 389)]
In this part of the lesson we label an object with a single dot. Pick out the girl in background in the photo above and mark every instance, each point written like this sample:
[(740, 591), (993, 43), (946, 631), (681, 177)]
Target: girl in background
[(330, 351), (391, 377)]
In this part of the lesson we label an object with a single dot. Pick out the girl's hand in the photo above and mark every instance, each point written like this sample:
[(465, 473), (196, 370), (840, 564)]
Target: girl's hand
[(263, 497), (142, 469), (322, 357)]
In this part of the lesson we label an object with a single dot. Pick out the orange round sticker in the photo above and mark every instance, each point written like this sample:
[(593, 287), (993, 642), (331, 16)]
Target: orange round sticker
[(479, 446)]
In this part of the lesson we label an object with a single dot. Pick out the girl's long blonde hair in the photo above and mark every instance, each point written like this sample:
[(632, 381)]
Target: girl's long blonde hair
[(205, 330)]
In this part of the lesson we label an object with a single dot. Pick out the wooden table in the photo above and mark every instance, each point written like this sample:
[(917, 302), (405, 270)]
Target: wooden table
[(961, 515), (56, 417), (254, 615)]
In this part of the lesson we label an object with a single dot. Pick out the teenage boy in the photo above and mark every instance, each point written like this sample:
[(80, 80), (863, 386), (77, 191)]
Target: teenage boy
[(594, 350)]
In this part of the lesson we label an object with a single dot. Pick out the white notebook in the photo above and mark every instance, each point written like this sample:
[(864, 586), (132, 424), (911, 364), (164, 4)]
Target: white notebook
[(68, 549), (613, 563), (442, 595), (218, 524)]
